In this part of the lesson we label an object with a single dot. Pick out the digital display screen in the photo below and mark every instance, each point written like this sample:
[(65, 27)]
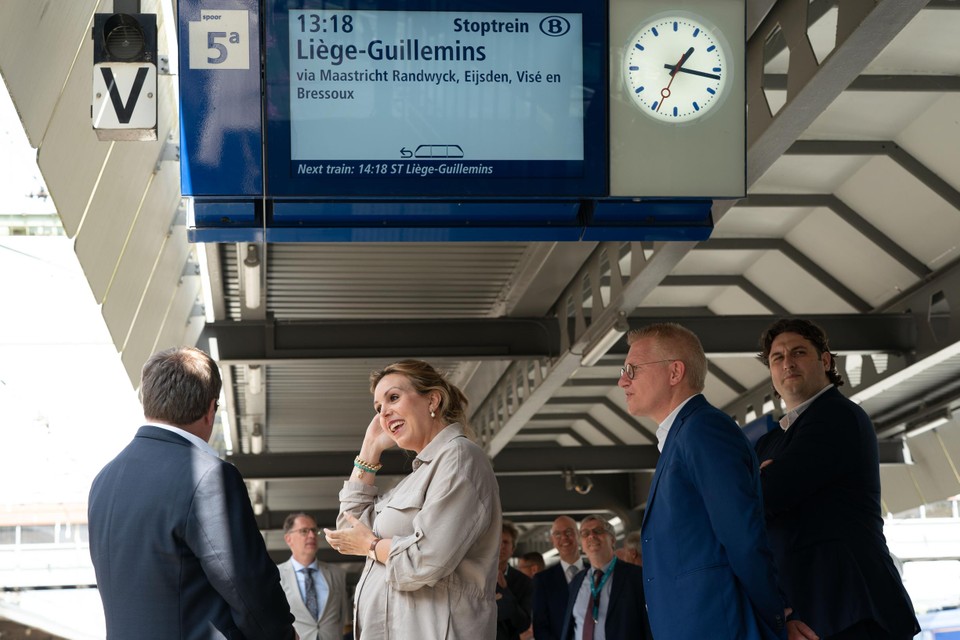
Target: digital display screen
[(424, 102)]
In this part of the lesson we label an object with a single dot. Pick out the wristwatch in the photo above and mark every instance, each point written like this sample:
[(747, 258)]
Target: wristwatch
[(372, 553)]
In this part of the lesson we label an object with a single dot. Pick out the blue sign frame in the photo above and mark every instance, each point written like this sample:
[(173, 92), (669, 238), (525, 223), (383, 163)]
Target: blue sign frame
[(540, 179), (236, 151)]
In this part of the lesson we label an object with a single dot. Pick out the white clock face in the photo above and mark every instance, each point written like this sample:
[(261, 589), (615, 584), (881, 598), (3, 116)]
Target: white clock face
[(676, 69)]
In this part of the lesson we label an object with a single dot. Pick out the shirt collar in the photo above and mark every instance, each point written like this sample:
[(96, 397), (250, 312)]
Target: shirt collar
[(664, 427), (439, 441), (578, 563), (299, 567), (605, 567), (791, 416), (192, 439)]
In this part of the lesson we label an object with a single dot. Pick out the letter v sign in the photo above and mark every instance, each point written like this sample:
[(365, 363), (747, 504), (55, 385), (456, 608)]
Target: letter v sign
[(124, 111), (125, 98)]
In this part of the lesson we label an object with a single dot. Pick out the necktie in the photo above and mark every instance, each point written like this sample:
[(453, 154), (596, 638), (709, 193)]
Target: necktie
[(571, 573), (589, 624), (311, 592)]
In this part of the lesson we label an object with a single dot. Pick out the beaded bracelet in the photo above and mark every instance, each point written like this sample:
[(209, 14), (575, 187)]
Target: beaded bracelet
[(364, 466)]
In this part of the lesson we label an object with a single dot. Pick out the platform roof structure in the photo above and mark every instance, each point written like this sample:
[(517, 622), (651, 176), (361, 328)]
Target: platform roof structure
[(852, 218)]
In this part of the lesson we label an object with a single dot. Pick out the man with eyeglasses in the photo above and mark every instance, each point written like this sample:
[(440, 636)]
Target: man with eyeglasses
[(173, 538), (551, 586), (316, 591), (606, 601), (708, 568)]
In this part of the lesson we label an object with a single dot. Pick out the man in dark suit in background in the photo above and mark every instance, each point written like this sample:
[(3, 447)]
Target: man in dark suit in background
[(707, 565), (551, 587), (173, 539), (609, 595), (514, 590), (821, 490)]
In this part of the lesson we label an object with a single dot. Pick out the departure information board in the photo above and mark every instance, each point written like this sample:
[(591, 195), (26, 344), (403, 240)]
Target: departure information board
[(415, 102)]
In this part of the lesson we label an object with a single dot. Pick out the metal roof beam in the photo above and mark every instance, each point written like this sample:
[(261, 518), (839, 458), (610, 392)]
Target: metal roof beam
[(550, 460), (469, 339), (734, 335), (883, 83)]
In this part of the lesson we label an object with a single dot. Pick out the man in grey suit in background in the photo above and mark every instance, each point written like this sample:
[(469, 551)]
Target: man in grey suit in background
[(173, 539), (321, 609)]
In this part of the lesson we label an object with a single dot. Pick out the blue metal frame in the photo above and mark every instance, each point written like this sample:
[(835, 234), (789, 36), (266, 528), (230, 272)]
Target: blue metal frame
[(240, 196)]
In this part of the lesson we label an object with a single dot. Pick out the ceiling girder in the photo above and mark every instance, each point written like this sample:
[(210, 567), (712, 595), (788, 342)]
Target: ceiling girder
[(888, 148), (550, 460), (889, 333), (469, 339), (845, 213)]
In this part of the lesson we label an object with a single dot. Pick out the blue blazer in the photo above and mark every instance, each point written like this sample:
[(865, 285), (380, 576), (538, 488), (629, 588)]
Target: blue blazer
[(708, 568), (822, 499), (626, 611), (550, 592), (176, 548)]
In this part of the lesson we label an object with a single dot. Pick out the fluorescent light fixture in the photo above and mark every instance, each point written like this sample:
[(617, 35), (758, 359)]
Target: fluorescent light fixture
[(256, 439), (254, 378), (251, 277), (902, 376), (610, 338), (207, 289), (930, 426)]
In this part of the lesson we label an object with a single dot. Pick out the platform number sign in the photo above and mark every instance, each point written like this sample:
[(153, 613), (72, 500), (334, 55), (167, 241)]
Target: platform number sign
[(220, 40)]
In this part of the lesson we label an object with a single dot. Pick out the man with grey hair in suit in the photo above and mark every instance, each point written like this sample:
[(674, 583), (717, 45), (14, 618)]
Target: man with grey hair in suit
[(316, 591), (173, 538)]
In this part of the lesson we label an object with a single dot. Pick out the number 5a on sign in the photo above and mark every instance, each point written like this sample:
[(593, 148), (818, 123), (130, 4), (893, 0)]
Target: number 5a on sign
[(220, 40)]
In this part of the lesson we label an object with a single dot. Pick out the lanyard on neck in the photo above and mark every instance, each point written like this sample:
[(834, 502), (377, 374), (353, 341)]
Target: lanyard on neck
[(596, 589)]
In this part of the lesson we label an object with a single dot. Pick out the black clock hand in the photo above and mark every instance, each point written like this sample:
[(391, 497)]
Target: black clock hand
[(702, 74), (679, 65)]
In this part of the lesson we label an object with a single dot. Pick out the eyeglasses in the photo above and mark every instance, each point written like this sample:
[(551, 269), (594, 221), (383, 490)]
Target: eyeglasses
[(630, 370), (314, 530), (586, 533), (566, 533)]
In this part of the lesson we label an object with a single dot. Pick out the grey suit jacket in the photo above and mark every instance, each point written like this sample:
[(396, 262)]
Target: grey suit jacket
[(336, 613), (176, 548)]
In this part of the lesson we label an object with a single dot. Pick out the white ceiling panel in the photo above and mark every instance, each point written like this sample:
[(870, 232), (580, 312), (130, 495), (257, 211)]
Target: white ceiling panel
[(898, 492), (160, 295), (759, 222), (704, 261), (854, 260), (926, 45), (39, 42), (898, 204), (141, 252), (933, 469), (934, 138), (855, 116), (695, 296), (114, 209), (71, 157), (732, 301), (794, 288), (807, 174)]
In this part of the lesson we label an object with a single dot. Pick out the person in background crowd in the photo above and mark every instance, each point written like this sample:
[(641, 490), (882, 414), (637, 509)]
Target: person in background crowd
[(514, 590), (432, 541), (551, 586), (631, 551), (820, 475), (173, 539), (316, 591), (606, 601), (531, 563)]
